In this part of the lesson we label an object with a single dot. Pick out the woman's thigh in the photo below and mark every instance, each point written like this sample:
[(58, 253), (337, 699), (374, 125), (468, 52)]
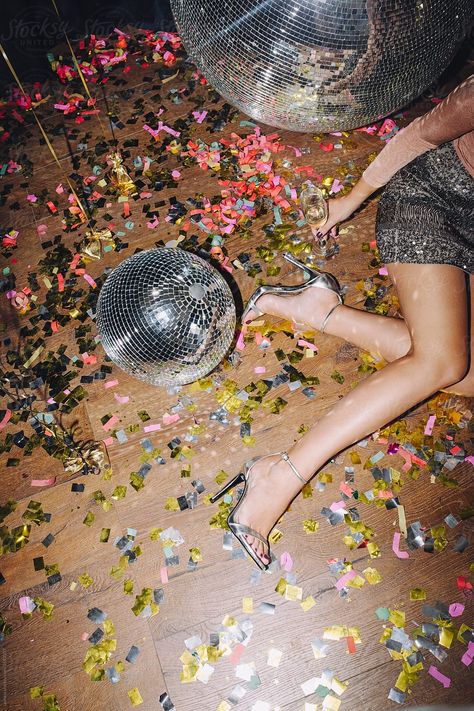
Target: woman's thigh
[(433, 302)]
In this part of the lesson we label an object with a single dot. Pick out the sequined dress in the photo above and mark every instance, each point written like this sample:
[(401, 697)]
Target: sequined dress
[(426, 213)]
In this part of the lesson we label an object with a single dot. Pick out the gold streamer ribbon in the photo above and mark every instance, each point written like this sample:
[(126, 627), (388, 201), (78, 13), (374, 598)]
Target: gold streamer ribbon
[(40, 126), (76, 64)]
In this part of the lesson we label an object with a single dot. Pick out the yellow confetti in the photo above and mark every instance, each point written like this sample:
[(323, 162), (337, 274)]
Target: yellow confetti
[(308, 603), (446, 637), (310, 525), (247, 605), (196, 555), (275, 536), (293, 592), (397, 618), (372, 576), (223, 706), (373, 550), (171, 504), (331, 703), (417, 594), (89, 519), (135, 697), (85, 580)]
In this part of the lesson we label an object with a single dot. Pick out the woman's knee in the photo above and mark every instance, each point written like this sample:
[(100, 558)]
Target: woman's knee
[(442, 367)]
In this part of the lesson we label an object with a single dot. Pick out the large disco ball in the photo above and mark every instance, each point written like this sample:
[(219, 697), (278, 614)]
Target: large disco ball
[(166, 316), (321, 65)]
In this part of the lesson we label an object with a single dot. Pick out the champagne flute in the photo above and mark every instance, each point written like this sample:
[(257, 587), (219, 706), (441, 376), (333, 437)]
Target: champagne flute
[(315, 209)]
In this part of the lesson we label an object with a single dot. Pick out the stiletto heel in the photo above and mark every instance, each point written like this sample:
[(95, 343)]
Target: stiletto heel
[(239, 479), (240, 530), (316, 278)]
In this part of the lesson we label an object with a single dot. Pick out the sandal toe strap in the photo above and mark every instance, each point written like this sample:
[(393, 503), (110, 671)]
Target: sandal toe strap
[(244, 530)]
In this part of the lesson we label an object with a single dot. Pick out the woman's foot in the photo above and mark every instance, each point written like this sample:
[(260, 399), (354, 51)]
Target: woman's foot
[(271, 488), (310, 307)]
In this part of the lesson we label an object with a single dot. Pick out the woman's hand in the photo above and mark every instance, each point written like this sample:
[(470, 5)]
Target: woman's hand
[(341, 209)]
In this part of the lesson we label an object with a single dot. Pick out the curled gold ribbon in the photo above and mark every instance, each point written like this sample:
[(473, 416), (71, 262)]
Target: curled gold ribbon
[(93, 242), (92, 454)]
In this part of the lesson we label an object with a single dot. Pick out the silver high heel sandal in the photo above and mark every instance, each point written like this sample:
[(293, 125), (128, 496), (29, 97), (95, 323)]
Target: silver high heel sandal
[(240, 530), (323, 280)]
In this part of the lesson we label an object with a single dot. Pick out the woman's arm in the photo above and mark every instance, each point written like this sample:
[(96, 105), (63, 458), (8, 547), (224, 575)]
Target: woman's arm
[(451, 118)]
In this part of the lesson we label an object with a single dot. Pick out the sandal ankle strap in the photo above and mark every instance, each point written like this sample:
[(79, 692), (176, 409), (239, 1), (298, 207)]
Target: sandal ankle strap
[(286, 458), (324, 323)]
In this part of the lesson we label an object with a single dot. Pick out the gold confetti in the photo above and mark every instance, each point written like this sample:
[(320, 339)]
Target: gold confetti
[(310, 525), (417, 594), (308, 603), (372, 576), (135, 697), (247, 605)]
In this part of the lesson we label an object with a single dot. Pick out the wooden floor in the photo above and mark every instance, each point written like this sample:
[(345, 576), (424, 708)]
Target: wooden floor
[(269, 630)]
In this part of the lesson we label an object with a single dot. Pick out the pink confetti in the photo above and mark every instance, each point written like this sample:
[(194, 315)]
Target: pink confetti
[(456, 609), (336, 505), (43, 482), (199, 116), (108, 441), (164, 575), (110, 384), (151, 224), (5, 419), (240, 345), (383, 271), (396, 546), (307, 344), (110, 423), (436, 674), (341, 583), (237, 653), (175, 174), (84, 636), (170, 419), (41, 229), (26, 604), (122, 399), (468, 656), (31, 198), (286, 561), (90, 280), (430, 424), (469, 459), (152, 428), (260, 369)]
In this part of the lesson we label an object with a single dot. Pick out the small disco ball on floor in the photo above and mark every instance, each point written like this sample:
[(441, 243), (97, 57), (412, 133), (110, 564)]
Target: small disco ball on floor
[(319, 65), (166, 316)]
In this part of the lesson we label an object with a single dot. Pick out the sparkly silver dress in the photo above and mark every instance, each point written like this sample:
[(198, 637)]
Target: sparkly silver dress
[(426, 213)]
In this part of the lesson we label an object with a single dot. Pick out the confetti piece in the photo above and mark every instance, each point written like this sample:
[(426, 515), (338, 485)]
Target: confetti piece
[(110, 423), (286, 561), (5, 419), (456, 609), (110, 384), (43, 482), (274, 657), (152, 428), (164, 575), (436, 674), (341, 583), (135, 697), (468, 656), (351, 648), (122, 399), (430, 424), (396, 547)]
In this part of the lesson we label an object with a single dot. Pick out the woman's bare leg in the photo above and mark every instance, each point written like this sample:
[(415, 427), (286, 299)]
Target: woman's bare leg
[(383, 336), (434, 304)]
